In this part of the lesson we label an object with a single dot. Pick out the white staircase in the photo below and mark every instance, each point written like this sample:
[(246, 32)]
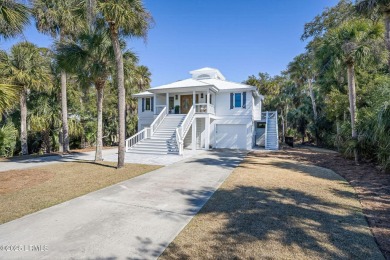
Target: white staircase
[(163, 140), (271, 131)]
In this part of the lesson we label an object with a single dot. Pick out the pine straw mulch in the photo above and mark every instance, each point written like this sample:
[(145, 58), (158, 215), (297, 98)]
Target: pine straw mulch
[(371, 186)]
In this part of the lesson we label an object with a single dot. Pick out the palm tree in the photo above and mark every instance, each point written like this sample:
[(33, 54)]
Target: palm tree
[(60, 19), (349, 44), (124, 18), (302, 71), (8, 96), (13, 17), (92, 53), (27, 67), (383, 6)]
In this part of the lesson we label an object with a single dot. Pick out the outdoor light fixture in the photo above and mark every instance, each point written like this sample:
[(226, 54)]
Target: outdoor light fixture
[(176, 97), (201, 95)]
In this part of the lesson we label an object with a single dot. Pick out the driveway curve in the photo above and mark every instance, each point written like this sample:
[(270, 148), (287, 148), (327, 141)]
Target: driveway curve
[(135, 219)]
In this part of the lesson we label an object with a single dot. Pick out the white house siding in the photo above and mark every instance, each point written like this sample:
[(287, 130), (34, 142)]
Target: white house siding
[(200, 132), (145, 119), (257, 109), (188, 138), (223, 105), (236, 116)]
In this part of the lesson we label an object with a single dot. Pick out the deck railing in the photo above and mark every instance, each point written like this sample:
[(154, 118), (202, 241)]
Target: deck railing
[(182, 130), (204, 108), (133, 140), (158, 120)]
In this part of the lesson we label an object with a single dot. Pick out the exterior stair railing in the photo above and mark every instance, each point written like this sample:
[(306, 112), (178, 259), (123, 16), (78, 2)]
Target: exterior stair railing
[(147, 132), (182, 130)]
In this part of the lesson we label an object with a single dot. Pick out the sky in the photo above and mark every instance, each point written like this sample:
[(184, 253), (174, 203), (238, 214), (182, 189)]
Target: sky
[(240, 38)]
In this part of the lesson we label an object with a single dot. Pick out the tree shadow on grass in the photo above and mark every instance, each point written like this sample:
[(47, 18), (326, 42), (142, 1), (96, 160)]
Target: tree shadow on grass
[(102, 164), (289, 217)]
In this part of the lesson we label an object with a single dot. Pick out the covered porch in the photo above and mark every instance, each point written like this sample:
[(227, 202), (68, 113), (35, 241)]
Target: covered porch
[(181, 102)]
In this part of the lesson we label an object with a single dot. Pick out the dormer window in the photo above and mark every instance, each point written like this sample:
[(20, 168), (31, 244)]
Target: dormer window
[(204, 76)]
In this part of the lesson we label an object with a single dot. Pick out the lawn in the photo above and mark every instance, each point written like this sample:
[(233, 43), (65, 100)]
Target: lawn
[(277, 208), (26, 191)]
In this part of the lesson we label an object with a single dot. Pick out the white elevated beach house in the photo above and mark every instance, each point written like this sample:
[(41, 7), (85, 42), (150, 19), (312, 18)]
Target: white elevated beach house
[(203, 112)]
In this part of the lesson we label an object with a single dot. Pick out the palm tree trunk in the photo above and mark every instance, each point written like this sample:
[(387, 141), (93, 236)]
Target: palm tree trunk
[(64, 107), (23, 120), (352, 106), (99, 135), (121, 93)]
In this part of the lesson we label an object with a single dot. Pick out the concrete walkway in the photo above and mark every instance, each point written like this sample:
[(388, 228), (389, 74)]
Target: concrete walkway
[(110, 155), (135, 219)]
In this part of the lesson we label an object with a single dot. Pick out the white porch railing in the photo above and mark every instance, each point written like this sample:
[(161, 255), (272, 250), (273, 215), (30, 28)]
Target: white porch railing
[(147, 132), (158, 120), (204, 108), (133, 140), (182, 130)]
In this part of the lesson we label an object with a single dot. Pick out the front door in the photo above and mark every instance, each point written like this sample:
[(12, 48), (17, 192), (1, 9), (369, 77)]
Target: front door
[(185, 103)]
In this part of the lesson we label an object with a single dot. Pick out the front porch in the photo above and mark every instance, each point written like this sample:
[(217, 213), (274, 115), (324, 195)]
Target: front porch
[(181, 102)]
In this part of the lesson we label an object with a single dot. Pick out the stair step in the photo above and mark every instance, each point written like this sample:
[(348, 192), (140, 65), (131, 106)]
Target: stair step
[(158, 149), (152, 152)]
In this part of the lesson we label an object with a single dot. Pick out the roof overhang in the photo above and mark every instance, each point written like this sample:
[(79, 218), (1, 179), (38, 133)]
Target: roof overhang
[(143, 94), (183, 89)]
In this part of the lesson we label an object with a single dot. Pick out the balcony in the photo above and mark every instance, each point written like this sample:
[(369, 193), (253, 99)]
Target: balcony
[(204, 108)]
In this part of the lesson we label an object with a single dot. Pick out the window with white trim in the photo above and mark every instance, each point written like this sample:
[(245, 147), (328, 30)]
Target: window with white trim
[(148, 104)]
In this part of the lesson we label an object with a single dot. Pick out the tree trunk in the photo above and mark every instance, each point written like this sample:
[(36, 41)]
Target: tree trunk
[(121, 93), (314, 105), (23, 120), (283, 129), (64, 107), (338, 133), (352, 106), (313, 100), (99, 136), (387, 36)]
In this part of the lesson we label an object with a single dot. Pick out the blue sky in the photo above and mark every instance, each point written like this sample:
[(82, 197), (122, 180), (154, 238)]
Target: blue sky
[(240, 38)]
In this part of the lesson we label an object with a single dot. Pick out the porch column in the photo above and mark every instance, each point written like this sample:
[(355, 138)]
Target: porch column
[(167, 102), (207, 135), (208, 100), (194, 134), (154, 104), (193, 98)]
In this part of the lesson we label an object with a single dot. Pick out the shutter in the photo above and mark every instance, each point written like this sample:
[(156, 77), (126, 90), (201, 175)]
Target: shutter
[(231, 100), (243, 99), (143, 104), (151, 104)]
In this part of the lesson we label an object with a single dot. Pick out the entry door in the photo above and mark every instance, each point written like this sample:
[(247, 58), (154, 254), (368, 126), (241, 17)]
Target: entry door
[(185, 103)]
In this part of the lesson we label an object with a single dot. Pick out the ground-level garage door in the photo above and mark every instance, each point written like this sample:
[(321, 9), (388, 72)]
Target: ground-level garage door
[(231, 136)]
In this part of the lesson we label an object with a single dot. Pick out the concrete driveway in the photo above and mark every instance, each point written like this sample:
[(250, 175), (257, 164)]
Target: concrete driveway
[(110, 155), (135, 219)]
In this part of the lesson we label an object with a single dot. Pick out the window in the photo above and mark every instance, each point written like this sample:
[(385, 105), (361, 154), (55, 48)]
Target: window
[(147, 103), (171, 103), (237, 100)]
